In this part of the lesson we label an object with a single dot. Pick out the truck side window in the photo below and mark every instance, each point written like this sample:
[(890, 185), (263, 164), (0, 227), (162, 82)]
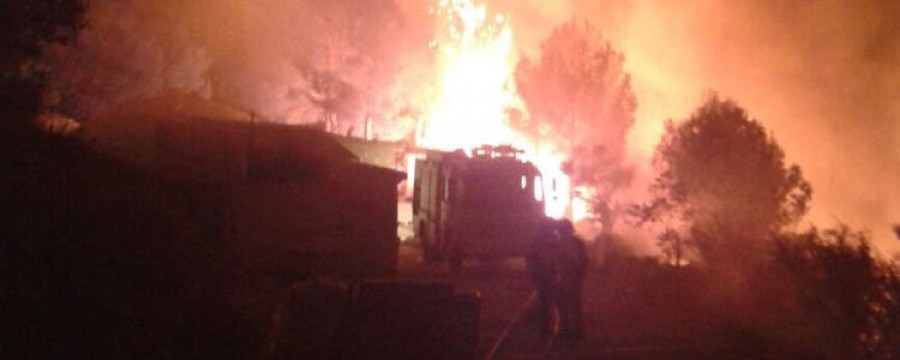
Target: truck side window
[(538, 189)]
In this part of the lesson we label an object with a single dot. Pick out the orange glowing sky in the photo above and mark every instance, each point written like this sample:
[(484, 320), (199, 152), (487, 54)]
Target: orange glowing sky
[(823, 77)]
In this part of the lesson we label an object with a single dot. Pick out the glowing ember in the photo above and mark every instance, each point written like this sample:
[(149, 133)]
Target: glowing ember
[(476, 87)]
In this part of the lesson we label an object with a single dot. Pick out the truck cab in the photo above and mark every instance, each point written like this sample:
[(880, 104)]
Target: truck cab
[(486, 206)]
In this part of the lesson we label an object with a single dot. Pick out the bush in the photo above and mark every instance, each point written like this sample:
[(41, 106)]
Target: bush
[(829, 294)]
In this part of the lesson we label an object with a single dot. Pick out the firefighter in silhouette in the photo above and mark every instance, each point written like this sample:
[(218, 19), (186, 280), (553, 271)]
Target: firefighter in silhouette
[(571, 266), (541, 264)]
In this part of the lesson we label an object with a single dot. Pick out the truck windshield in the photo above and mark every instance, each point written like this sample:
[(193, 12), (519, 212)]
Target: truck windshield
[(491, 189)]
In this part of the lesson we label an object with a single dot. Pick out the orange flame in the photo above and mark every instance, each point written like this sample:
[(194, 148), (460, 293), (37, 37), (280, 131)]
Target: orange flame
[(476, 87)]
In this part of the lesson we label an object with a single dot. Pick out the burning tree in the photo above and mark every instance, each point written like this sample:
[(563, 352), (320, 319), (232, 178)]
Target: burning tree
[(579, 97), (347, 59)]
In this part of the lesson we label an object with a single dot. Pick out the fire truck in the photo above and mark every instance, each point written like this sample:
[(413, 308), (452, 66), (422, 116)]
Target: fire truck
[(484, 206)]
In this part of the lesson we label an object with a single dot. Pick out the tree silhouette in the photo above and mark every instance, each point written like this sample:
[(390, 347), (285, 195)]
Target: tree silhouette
[(840, 299), (580, 100), (96, 262), (28, 25), (347, 59), (295, 61), (132, 49), (725, 178)]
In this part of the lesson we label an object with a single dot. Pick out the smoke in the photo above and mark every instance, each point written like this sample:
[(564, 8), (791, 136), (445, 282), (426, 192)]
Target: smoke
[(122, 56), (288, 61), (823, 76)]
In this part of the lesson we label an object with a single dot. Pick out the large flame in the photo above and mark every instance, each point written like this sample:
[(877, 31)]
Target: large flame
[(475, 62), (476, 88)]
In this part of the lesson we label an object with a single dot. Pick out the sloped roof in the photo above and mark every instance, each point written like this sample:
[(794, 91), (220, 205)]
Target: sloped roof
[(373, 152), (189, 137), (176, 105)]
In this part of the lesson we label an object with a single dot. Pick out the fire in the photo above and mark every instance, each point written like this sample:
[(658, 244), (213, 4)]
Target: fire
[(476, 87)]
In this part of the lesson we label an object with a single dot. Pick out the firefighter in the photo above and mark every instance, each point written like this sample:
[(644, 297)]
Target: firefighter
[(541, 265), (571, 266)]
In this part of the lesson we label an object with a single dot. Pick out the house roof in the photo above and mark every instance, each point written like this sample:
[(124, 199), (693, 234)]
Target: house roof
[(374, 152), (193, 138), (176, 105)]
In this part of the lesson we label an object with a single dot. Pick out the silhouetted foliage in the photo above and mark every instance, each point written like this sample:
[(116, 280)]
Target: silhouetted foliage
[(132, 49), (723, 182), (27, 25), (674, 246), (579, 96), (97, 260), (347, 60), (601, 171), (884, 339), (289, 61), (334, 98), (832, 296)]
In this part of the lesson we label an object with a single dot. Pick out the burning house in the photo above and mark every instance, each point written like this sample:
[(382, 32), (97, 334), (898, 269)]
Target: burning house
[(288, 200)]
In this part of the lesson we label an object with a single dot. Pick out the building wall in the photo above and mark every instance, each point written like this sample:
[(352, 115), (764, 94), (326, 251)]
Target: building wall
[(294, 199), (344, 226)]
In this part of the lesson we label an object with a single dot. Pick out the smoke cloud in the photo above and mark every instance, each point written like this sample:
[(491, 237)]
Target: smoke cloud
[(285, 61), (823, 76)]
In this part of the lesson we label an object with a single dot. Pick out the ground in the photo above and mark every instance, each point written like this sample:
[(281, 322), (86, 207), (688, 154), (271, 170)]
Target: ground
[(634, 309)]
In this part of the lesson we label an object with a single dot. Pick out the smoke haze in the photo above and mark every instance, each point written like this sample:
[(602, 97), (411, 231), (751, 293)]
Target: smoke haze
[(823, 76), (274, 58)]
